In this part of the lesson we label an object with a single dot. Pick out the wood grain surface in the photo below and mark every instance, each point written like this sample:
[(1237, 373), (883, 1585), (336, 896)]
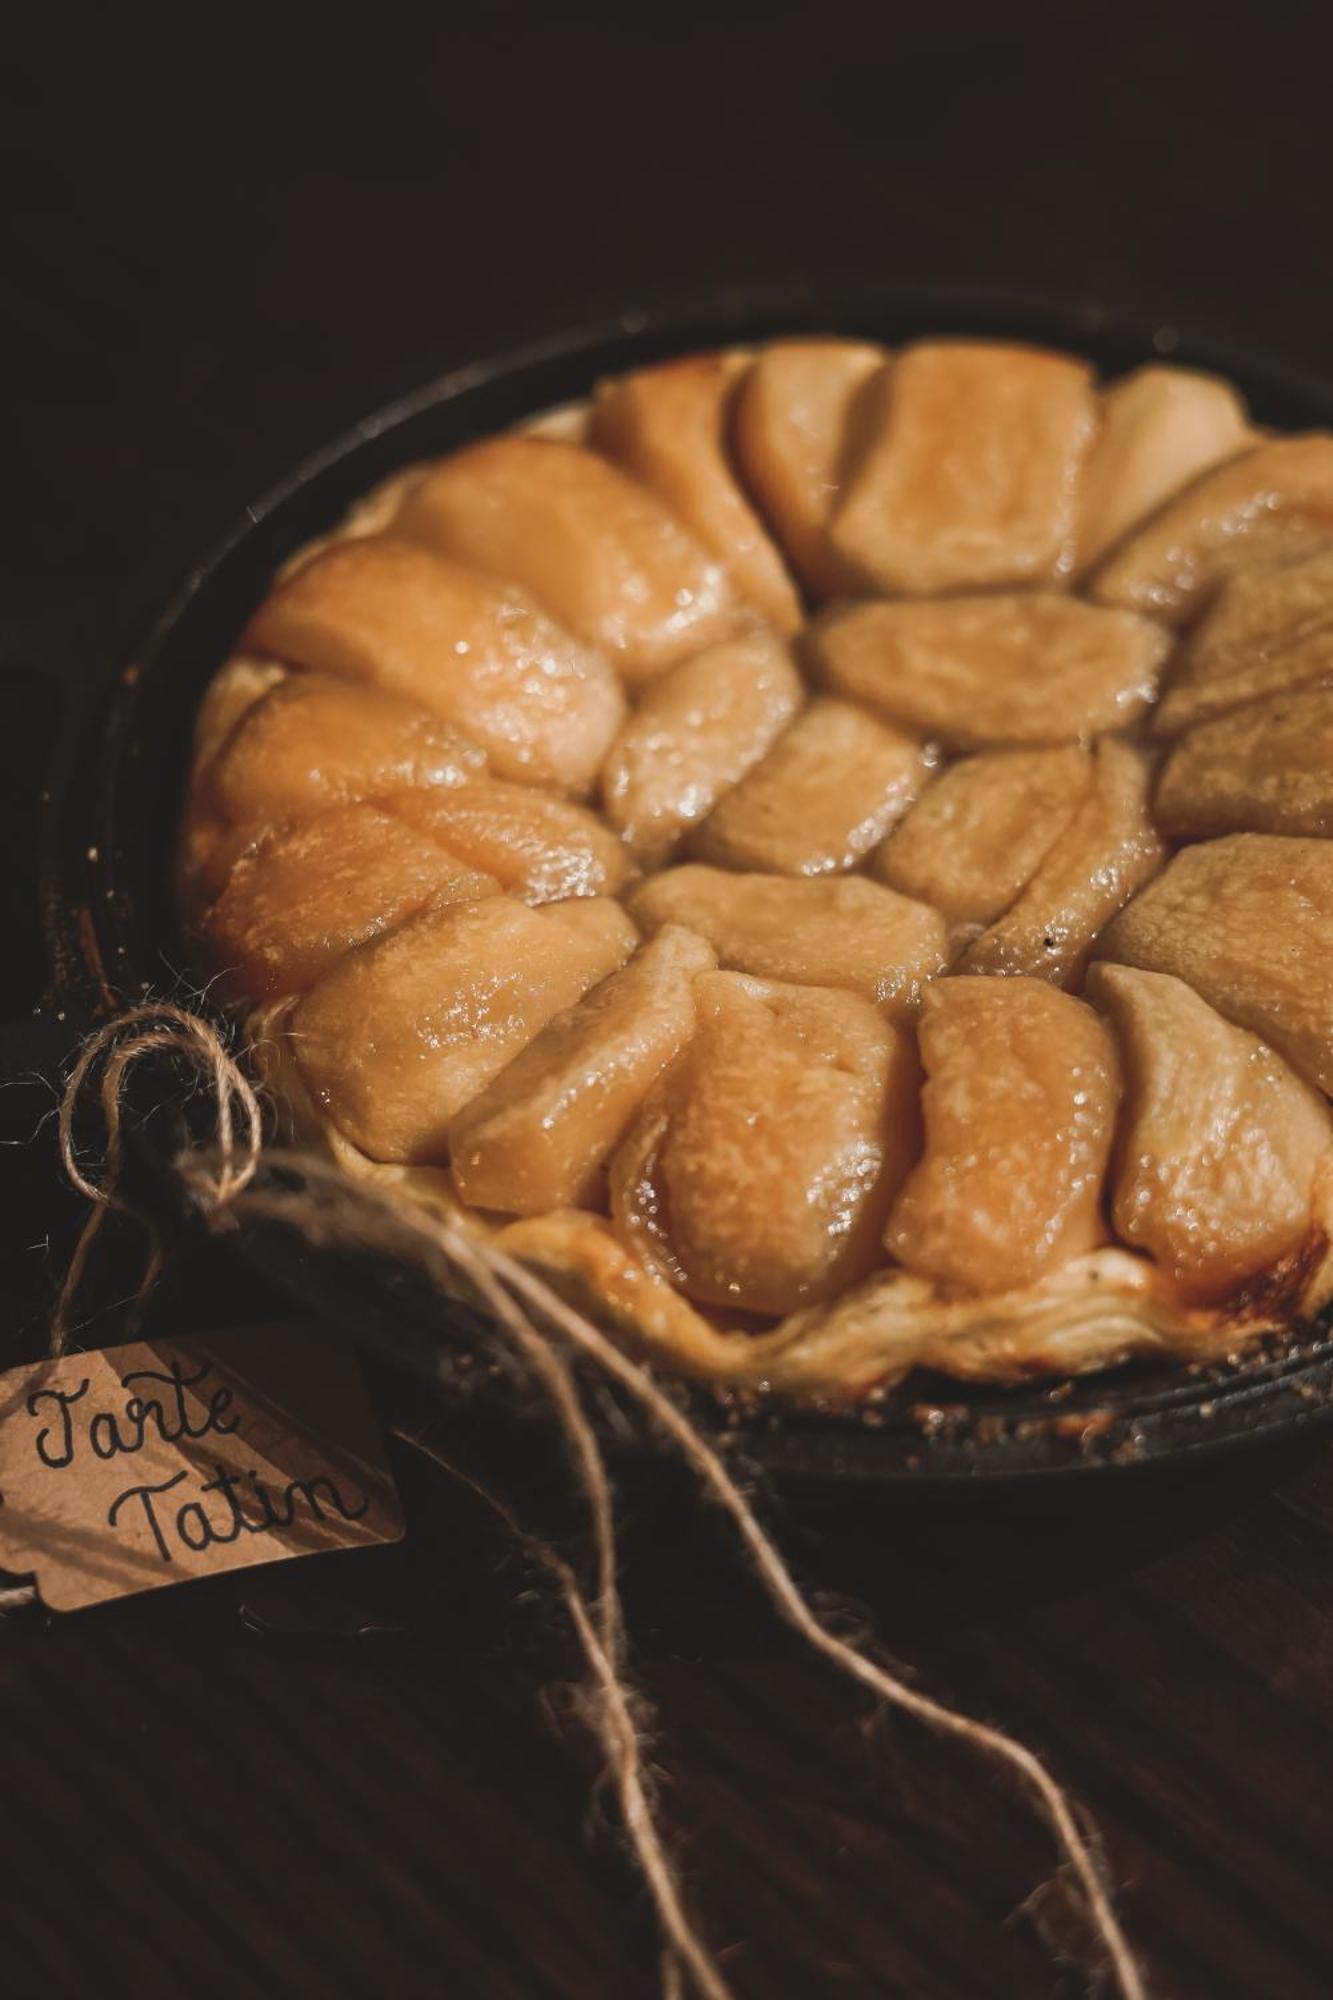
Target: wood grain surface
[(365, 1776)]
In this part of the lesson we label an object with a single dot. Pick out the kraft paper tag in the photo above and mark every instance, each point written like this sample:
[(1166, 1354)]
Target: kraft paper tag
[(166, 1460)]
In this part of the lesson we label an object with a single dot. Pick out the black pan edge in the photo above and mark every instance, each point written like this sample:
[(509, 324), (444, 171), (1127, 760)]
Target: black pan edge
[(106, 861)]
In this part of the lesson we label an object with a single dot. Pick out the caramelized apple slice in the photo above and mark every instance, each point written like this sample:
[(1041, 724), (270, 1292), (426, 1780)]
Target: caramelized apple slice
[(1248, 923), (975, 840), (402, 1033), (1160, 428), (697, 729), (209, 850), (541, 848), (794, 419), (1220, 1142), (473, 651), (302, 898), (826, 793), (970, 469), (1268, 629), (594, 546), (538, 1136), (232, 693), (669, 426), (1274, 500), (1107, 851), (315, 741), (760, 1172), (1267, 768), (1020, 667), (1019, 1105), (846, 933)]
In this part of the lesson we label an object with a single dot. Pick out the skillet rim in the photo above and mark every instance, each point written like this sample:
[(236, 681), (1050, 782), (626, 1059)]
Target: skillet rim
[(106, 863)]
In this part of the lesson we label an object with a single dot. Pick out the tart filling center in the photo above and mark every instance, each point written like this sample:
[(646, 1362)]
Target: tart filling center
[(824, 852)]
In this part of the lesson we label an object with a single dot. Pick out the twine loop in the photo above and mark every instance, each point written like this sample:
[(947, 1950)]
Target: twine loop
[(117, 1048)]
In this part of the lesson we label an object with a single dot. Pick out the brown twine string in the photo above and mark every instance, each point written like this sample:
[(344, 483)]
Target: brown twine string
[(327, 1208), (553, 1373), (621, 1741)]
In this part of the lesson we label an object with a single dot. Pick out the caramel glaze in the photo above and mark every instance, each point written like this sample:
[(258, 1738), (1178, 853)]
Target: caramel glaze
[(700, 656)]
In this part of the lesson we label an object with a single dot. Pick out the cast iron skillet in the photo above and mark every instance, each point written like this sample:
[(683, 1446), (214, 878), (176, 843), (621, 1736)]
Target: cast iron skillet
[(113, 936)]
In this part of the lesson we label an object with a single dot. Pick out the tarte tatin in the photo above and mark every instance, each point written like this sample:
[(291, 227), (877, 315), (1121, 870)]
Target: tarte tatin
[(824, 854)]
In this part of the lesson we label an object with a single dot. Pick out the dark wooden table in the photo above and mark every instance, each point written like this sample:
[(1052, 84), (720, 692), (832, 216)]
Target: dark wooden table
[(362, 1776)]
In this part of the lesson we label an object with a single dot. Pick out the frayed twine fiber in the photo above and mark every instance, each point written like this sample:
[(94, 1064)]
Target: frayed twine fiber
[(328, 1209)]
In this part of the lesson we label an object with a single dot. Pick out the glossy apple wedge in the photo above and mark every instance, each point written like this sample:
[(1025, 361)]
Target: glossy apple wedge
[(474, 651), (760, 1172), (301, 898), (968, 474), (1019, 1106), (1276, 500), (847, 933), (1267, 630), (1265, 768), (1247, 921), (314, 741), (826, 793), (973, 842), (538, 1137), (1159, 428), (405, 1031), (697, 729), (1109, 849), (604, 555), (1220, 1141), (1014, 667), (669, 427), (309, 743), (795, 432), (231, 694), (537, 846)]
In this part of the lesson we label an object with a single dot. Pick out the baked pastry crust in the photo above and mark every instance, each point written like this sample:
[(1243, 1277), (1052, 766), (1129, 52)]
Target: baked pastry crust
[(526, 712)]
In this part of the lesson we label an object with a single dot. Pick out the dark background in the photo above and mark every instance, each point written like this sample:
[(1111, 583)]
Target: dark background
[(226, 239)]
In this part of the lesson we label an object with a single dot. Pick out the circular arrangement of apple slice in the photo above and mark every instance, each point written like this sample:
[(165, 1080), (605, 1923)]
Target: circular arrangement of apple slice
[(824, 852)]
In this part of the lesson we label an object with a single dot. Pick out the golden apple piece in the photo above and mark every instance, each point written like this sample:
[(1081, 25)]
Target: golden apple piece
[(405, 1031), (1220, 1141), (537, 1138), (601, 552), (1160, 428), (472, 650), (1108, 850), (1014, 667), (1267, 768), (1276, 500), (537, 846), (826, 793), (231, 694), (1247, 921), (761, 1170), (314, 741), (209, 850), (298, 901), (795, 429), (969, 473), (847, 933), (669, 427), (1268, 629), (974, 841), (697, 729), (1019, 1107)]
